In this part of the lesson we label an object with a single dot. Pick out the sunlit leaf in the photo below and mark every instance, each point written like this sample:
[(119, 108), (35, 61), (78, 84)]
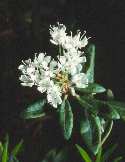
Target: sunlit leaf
[(17, 148), (83, 154), (5, 149), (92, 88)]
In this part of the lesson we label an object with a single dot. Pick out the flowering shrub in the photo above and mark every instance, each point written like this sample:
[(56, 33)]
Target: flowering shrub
[(70, 77)]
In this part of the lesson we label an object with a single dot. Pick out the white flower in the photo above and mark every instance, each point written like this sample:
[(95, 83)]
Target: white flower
[(57, 78), (26, 81), (80, 80), (58, 34), (36, 70), (72, 61), (43, 85), (42, 60), (54, 95), (78, 41), (29, 76)]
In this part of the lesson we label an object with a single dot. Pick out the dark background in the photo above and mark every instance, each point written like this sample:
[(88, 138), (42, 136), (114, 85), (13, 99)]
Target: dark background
[(24, 28)]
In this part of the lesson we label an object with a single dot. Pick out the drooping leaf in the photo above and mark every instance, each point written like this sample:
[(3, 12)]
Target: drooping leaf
[(92, 88), (35, 110), (108, 153), (17, 148), (86, 130), (5, 149), (97, 134), (66, 118), (90, 130), (91, 57), (83, 154), (118, 106)]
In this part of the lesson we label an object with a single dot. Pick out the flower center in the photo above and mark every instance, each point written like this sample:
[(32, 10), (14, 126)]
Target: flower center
[(63, 81)]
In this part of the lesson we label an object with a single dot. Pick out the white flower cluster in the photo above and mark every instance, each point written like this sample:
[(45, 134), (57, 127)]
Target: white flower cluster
[(61, 76)]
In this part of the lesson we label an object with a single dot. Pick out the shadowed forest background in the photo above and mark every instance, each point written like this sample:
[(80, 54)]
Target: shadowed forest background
[(24, 31)]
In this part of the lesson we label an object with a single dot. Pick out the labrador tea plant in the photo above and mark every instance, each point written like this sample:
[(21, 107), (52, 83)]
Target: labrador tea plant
[(67, 81)]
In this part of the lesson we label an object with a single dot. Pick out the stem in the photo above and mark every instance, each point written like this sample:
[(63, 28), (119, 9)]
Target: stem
[(108, 133), (60, 50)]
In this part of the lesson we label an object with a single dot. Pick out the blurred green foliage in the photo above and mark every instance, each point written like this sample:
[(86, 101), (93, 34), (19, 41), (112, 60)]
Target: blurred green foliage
[(9, 156)]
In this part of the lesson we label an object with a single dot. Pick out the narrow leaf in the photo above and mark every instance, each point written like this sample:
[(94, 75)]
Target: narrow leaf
[(83, 154), (17, 148), (5, 149), (1, 148), (91, 58), (97, 134), (92, 88), (66, 119), (85, 130)]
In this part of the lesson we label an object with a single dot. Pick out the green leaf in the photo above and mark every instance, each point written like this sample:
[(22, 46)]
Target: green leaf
[(83, 154), (1, 148), (91, 58), (54, 156), (61, 156), (35, 110), (17, 148), (118, 106), (118, 159), (50, 156), (108, 153), (92, 88), (113, 114), (91, 104), (66, 118), (90, 130), (5, 149), (85, 130), (97, 134)]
